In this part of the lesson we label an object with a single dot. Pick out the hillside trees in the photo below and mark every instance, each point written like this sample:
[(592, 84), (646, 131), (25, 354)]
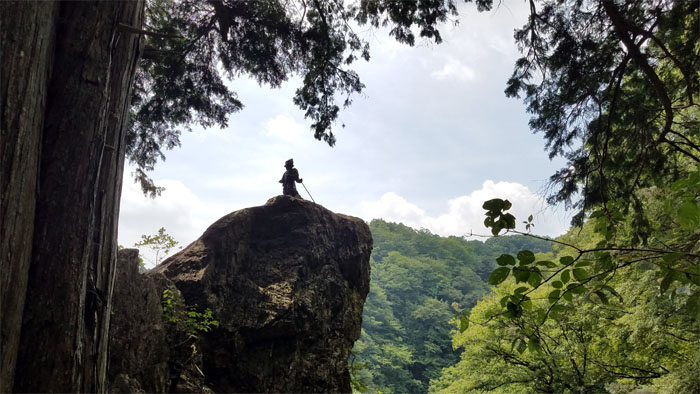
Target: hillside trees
[(621, 80), (632, 338), (68, 119), (419, 280), (618, 82)]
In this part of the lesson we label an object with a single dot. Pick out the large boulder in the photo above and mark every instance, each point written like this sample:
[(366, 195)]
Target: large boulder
[(286, 282)]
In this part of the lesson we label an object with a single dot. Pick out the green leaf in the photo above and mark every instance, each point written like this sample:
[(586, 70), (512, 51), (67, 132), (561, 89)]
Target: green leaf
[(557, 284), (533, 345), (689, 215), (612, 291), (666, 282), (514, 310), (602, 296), (505, 259), (504, 300), (541, 316), (583, 263), (554, 296), (463, 323), (605, 260), (671, 257), (565, 276), (546, 263), (522, 346), (509, 220), (534, 279), (495, 204), (576, 288), (526, 257), (556, 310), (567, 295), (499, 275), (521, 275), (693, 305), (520, 289), (580, 274), (566, 260)]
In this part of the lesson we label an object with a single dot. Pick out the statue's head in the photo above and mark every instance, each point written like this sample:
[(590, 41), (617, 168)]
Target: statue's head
[(289, 164)]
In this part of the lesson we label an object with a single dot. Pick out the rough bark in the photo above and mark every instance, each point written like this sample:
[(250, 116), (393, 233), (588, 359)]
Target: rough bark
[(103, 266), (66, 313), (26, 45)]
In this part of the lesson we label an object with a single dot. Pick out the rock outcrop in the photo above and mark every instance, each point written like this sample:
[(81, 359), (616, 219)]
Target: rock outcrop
[(285, 281)]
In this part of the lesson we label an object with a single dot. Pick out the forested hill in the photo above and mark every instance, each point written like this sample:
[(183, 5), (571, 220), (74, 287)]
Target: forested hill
[(479, 256), (419, 280)]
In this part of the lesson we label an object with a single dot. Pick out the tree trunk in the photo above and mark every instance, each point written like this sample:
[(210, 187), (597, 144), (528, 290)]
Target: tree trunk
[(80, 155), (26, 47), (105, 245)]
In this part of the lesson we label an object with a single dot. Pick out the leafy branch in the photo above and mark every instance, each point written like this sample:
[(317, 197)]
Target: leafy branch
[(184, 318)]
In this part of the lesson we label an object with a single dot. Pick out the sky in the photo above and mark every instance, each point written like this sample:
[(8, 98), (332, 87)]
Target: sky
[(430, 139)]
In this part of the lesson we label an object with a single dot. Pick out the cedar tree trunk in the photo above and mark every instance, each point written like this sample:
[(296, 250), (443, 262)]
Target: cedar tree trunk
[(65, 99)]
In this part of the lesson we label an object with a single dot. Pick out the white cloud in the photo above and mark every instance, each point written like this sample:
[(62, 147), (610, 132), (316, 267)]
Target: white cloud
[(286, 128), (183, 214), (464, 213), (453, 68), (391, 206)]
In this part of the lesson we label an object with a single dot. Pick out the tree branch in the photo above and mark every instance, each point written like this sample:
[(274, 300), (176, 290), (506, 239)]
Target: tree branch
[(622, 30)]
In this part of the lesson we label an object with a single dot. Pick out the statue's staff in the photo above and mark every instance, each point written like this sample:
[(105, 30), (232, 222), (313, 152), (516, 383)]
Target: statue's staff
[(307, 192)]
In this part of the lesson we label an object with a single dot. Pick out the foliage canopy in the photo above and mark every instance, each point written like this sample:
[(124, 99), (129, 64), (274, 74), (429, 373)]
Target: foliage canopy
[(613, 87)]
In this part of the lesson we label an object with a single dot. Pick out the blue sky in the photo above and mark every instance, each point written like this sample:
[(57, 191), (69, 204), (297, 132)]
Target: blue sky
[(430, 139)]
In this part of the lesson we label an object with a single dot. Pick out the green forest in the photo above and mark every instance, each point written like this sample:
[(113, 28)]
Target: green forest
[(419, 280), (613, 305), (630, 333)]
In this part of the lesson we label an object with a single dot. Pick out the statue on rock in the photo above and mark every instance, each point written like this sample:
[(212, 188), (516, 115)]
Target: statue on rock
[(288, 178)]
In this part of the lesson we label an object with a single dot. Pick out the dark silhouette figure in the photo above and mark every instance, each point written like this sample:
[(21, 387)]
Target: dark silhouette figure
[(288, 178)]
